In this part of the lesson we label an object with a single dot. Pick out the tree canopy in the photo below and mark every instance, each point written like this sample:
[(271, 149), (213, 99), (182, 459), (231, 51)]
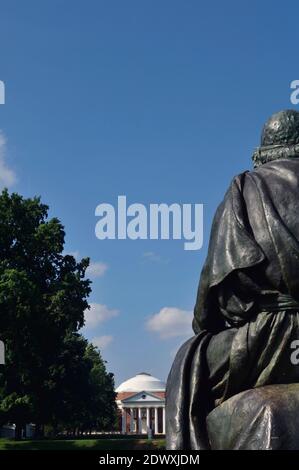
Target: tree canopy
[(52, 375)]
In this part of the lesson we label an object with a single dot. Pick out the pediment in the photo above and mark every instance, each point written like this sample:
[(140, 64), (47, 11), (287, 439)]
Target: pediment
[(143, 397)]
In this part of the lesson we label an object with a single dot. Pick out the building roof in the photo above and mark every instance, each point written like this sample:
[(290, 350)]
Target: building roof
[(142, 382)]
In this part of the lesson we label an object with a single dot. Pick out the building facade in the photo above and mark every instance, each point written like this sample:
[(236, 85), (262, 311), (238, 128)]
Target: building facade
[(141, 404)]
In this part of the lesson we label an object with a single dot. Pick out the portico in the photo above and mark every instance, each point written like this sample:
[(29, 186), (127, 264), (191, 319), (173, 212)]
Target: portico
[(142, 417)]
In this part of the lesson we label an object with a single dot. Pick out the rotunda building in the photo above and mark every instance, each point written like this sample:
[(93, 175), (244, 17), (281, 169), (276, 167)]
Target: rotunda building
[(141, 402)]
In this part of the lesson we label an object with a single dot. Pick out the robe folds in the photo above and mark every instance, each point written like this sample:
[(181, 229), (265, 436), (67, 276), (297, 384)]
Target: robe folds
[(246, 316)]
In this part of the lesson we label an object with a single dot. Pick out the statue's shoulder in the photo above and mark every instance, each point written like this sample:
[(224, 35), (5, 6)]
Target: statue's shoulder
[(237, 183)]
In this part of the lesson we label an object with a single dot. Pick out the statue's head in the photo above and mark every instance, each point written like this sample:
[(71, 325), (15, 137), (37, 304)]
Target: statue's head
[(280, 138)]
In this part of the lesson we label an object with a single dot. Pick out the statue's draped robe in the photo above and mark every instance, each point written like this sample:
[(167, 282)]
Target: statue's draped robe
[(247, 310)]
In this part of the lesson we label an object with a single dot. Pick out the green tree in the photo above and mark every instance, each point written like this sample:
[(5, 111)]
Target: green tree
[(85, 394), (43, 295), (102, 412)]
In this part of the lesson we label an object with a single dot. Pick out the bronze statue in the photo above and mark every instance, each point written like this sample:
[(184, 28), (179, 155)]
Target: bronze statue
[(234, 384)]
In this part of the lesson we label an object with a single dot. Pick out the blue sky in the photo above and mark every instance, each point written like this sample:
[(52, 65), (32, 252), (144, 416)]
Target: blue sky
[(162, 101)]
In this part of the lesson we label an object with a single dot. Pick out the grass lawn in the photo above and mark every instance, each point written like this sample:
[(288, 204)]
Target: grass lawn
[(83, 444)]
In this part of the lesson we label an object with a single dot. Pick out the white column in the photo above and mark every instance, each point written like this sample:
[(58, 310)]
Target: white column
[(156, 420), (139, 421), (148, 422), (132, 420), (163, 419), (123, 421)]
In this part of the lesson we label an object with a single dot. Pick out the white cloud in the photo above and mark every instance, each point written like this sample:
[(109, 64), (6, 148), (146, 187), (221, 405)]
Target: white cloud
[(171, 322), (97, 314), (154, 257), (96, 269), (7, 176), (102, 341)]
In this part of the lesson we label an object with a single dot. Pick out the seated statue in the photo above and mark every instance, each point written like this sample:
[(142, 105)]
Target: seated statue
[(235, 383)]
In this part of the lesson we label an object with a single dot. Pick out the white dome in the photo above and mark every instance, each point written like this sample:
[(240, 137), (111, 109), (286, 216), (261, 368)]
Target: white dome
[(142, 382)]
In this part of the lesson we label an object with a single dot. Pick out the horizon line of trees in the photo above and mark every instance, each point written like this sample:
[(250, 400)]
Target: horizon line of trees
[(52, 377)]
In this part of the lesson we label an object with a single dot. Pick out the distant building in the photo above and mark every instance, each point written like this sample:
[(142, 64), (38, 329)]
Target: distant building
[(141, 402), (9, 430)]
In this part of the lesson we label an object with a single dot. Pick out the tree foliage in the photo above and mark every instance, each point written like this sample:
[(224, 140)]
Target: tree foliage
[(52, 375)]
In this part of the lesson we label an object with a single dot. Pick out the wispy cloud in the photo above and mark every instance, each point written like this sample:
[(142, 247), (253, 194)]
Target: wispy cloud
[(7, 175), (154, 257), (98, 314), (102, 342), (96, 269), (171, 322)]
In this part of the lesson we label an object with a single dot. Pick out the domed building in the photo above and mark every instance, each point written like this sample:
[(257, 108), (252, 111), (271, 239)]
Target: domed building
[(141, 401)]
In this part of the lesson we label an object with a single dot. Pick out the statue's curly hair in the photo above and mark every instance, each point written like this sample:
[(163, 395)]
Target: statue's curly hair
[(280, 138)]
